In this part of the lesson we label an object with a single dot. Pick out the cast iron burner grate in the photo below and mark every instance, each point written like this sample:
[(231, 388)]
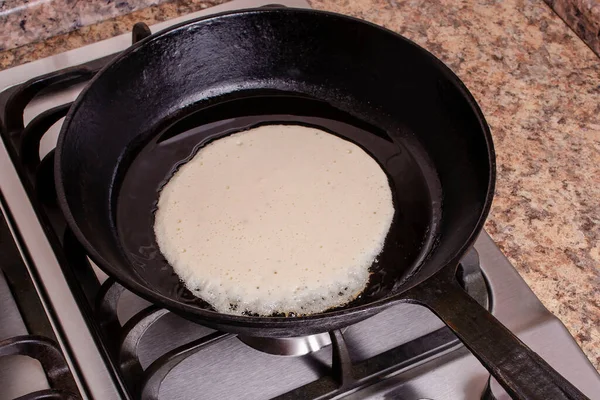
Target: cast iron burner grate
[(40, 344), (119, 343)]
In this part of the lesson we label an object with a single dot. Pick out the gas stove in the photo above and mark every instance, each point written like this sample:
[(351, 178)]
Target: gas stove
[(69, 331)]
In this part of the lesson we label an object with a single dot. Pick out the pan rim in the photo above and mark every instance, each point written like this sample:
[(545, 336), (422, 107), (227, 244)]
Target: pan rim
[(187, 310)]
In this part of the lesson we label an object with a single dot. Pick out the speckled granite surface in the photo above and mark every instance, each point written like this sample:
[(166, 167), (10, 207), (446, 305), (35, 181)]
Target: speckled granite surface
[(102, 30), (583, 16), (23, 21), (539, 87)]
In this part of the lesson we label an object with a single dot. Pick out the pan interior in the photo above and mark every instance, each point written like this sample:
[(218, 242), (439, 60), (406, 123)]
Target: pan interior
[(413, 181)]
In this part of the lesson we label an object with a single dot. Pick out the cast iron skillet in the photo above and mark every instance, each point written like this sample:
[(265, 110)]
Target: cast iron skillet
[(138, 119)]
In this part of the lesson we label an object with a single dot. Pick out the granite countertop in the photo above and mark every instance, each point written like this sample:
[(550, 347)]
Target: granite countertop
[(583, 16), (538, 85)]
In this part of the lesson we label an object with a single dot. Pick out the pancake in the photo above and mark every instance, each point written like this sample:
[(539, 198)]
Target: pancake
[(275, 219)]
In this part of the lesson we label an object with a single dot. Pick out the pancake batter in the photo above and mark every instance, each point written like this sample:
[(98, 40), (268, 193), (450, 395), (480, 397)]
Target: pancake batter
[(279, 218)]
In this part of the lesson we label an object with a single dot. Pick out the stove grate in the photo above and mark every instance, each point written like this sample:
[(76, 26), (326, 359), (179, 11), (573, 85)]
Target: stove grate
[(50, 357), (40, 344)]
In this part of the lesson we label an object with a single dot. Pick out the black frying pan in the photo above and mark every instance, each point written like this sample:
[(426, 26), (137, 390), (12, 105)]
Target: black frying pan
[(171, 93)]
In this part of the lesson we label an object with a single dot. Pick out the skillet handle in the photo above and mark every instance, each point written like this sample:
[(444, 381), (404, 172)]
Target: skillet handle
[(520, 371)]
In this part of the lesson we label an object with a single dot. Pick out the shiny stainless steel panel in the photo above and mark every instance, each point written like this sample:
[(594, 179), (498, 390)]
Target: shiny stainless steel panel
[(455, 375), (232, 370), (389, 329), (19, 375), (11, 323)]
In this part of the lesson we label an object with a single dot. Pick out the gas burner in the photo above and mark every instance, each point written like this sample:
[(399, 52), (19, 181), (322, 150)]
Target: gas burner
[(292, 346)]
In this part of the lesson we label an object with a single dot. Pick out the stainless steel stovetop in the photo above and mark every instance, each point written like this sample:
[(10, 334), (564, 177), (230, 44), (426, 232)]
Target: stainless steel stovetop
[(115, 345)]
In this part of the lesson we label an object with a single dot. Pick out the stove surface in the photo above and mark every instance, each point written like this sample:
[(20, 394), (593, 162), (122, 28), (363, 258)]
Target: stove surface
[(120, 346)]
